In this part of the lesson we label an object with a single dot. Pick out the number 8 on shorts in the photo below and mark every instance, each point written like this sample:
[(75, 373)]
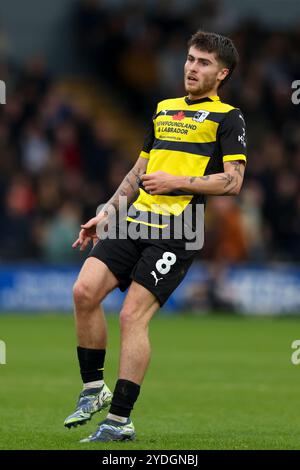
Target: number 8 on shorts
[(164, 264)]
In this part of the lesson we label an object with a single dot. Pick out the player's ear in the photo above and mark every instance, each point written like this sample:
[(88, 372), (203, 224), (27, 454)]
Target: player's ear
[(223, 73)]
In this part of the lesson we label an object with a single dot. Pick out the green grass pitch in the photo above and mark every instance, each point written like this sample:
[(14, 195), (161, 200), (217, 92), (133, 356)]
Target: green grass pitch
[(214, 382)]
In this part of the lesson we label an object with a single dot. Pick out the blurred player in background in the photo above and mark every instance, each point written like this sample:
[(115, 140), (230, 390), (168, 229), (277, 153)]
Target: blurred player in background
[(196, 146)]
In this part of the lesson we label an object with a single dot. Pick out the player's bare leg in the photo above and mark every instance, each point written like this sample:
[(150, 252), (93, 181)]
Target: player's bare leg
[(138, 309), (94, 282)]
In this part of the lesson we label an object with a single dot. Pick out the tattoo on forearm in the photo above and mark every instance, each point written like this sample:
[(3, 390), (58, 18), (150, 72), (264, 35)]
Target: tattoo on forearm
[(231, 181), (138, 173), (129, 187), (227, 177), (237, 167), (231, 190), (203, 178), (127, 179)]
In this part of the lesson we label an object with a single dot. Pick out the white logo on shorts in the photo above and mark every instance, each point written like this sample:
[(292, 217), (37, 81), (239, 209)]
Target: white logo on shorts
[(155, 277)]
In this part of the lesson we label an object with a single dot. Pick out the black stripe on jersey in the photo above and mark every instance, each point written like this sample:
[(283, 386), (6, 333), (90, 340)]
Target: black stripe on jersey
[(179, 192), (196, 148), (215, 117)]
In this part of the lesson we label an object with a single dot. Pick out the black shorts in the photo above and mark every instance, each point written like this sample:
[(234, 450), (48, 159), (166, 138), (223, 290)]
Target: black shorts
[(158, 265)]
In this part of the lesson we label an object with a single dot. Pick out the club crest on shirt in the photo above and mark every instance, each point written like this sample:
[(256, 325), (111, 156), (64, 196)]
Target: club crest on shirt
[(200, 116)]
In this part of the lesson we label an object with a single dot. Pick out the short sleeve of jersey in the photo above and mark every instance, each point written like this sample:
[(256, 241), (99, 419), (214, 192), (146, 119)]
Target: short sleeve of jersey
[(232, 137), (149, 139)]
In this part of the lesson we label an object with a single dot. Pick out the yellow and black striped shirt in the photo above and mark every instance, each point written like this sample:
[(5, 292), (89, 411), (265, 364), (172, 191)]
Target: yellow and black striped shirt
[(188, 138)]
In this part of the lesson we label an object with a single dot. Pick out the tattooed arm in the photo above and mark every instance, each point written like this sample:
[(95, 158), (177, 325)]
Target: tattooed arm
[(129, 188), (227, 183)]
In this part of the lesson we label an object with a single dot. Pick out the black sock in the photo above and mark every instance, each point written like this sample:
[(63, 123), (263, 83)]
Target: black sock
[(125, 396), (91, 362)]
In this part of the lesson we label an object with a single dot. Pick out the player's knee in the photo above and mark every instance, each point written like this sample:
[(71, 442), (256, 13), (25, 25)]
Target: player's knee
[(82, 295), (130, 315)]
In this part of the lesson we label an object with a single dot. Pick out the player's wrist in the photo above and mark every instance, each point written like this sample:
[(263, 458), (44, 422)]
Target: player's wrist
[(179, 183), (103, 215)]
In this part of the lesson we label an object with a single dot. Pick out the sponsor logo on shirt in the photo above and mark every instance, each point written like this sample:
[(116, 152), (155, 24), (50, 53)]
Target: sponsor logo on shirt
[(179, 116), (200, 116)]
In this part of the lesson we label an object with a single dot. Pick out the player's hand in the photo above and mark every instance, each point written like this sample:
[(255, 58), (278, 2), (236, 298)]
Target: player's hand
[(159, 182), (88, 232)]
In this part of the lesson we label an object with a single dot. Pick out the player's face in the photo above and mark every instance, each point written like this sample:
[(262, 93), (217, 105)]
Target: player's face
[(202, 73)]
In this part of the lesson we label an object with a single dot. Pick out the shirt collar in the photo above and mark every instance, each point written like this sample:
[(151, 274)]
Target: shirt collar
[(202, 100)]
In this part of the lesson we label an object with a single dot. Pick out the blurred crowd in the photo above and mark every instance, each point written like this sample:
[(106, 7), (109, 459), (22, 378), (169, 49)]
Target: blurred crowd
[(57, 163)]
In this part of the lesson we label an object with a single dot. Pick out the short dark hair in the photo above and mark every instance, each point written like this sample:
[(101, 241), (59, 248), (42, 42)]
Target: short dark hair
[(222, 46)]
